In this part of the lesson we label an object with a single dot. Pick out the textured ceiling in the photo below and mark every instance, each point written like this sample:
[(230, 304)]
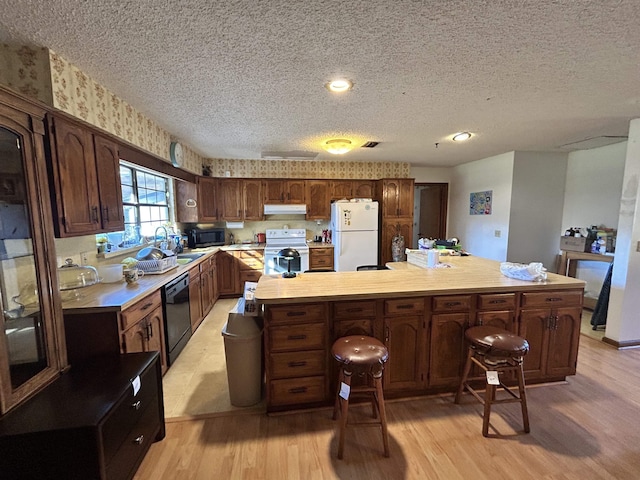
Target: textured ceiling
[(235, 78)]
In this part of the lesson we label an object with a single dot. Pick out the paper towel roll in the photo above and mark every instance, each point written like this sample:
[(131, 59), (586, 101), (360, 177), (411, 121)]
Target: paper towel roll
[(433, 258)]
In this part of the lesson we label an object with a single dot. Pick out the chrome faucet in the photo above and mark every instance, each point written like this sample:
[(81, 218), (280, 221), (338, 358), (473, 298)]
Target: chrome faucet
[(166, 237)]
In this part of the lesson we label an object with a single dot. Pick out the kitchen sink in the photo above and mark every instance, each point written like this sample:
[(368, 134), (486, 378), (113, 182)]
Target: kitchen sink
[(191, 256)]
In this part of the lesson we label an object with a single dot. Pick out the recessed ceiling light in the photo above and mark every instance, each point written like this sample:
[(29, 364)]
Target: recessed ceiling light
[(338, 146), (461, 137), (339, 86)]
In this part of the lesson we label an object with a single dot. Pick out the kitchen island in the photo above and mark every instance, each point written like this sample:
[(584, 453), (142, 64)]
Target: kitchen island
[(421, 316)]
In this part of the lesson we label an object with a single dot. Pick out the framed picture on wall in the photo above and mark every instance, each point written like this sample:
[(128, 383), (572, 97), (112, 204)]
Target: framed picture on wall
[(480, 203)]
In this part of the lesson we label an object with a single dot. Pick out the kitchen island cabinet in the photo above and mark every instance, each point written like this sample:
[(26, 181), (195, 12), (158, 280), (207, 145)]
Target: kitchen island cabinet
[(422, 315)]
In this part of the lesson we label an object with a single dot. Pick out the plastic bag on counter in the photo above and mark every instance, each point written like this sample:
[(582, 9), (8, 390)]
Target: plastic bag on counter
[(532, 272)]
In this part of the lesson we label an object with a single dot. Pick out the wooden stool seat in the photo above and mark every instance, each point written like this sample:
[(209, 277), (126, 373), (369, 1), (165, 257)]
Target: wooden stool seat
[(498, 350), (360, 355)]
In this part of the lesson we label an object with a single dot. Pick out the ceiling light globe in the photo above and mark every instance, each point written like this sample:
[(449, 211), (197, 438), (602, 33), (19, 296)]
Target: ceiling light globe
[(461, 137), (338, 146)]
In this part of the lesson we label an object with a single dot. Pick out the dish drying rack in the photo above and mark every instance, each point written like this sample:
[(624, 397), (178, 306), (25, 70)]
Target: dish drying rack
[(158, 266)]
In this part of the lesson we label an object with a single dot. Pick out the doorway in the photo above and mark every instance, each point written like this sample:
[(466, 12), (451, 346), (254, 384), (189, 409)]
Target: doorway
[(430, 211)]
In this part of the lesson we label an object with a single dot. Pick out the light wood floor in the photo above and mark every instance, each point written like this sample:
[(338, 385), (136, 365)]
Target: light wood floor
[(586, 428)]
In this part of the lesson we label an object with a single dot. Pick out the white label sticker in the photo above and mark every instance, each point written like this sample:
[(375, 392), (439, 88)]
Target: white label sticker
[(135, 383), (492, 377), (344, 390)]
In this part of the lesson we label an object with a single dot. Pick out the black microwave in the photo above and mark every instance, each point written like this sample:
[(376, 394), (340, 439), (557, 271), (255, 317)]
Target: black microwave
[(205, 237)]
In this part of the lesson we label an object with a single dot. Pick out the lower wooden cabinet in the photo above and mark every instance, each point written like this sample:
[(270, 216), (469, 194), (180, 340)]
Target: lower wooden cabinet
[(195, 298), (227, 274), (321, 258), (391, 227), (425, 337), (95, 422)]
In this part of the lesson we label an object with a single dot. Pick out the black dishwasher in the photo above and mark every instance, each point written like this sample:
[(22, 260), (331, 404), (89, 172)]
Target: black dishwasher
[(177, 317)]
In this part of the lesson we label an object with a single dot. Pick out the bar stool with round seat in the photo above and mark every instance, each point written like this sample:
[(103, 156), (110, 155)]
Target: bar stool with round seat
[(364, 356), (498, 350)]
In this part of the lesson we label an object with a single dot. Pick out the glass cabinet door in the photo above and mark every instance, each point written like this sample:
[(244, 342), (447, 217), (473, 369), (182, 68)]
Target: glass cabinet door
[(29, 356)]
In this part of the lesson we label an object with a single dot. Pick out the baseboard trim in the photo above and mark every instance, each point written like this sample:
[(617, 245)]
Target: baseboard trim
[(622, 345)]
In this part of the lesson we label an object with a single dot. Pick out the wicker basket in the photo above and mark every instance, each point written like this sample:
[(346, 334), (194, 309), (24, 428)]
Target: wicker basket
[(158, 266)]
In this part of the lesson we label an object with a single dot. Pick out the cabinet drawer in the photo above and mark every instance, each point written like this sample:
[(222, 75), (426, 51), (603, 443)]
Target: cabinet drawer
[(320, 262), (347, 310), (451, 303), (249, 276), (297, 313), (499, 301), (135, 445), (297, 390), (141, 309), (404, 306), (552, 299), (320, 251), (297, 364), (306, 336), (128, 413)]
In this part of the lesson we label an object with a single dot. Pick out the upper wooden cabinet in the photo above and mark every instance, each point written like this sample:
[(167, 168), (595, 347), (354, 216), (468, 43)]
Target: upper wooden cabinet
[(86, 178), (207, 199), (252, 199), (318, 199), (397, 197), (352, 189), (284, 191), (230, 199)]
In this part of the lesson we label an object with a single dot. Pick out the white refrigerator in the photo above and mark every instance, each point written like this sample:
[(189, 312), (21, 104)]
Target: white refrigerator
[(354, 233)]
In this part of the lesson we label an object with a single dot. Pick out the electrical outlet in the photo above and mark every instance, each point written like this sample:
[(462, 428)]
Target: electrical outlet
[(84, 258), (497, 233)]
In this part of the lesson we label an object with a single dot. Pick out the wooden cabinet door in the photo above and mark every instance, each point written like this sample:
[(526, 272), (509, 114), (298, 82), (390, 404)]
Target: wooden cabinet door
[(155, 342), (274, 191), (341, 189), (564, 337), (406, 344), (389, 230), (505, 319), (252, 199), (230, 199), (363, 189), (296, 191), (534, 327), (318, 200), (207, 199), (447, 348), (186, 202), (405, 199), (214, 280), (227, 274), (78, 203), (109, 186)]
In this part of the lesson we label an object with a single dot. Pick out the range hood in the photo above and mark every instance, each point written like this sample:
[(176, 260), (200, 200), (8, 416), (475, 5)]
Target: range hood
[(289, 209)]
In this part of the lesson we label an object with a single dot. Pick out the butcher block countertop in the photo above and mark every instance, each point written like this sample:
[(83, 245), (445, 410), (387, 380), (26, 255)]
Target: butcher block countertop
[(463, 275)]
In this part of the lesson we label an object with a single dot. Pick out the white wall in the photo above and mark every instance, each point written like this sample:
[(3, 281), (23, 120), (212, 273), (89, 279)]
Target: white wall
[(592, 197), (536, 207), (623, 323), (477, 233), (430, 174)]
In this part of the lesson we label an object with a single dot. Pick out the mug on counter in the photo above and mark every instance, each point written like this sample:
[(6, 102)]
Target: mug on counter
[(131, 275)]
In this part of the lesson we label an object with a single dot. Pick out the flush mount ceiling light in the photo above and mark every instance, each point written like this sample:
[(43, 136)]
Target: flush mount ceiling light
[(338, 146), (461, 137), (339, 86)]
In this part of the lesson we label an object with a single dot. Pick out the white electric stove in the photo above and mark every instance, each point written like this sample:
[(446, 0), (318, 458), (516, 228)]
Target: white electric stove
[(279, 239)]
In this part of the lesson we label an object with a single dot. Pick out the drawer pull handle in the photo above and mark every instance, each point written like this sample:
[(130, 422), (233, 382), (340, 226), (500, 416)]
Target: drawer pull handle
[(405, 306), (296, 337), (146, 306), (136, 406), (354, 310), (452, 304), (554, 299), (139, 440), (295, 314), (297, 364), (497, 301), (298, 390)]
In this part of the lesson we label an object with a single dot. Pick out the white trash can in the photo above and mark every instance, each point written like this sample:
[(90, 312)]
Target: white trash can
[(243, 352)]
